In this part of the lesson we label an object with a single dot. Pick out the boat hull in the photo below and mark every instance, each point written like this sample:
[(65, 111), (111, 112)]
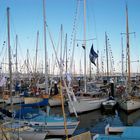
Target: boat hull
[(55, 100), (129, 105), (58, 129), (85, 105), (15, 100), (33, 135), (53, 129), (109, 105)]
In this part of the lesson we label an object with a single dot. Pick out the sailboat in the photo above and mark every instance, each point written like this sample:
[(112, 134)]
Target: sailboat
[(89, 101), (130, 100), (12, 127), (55, 97), (38, 123)]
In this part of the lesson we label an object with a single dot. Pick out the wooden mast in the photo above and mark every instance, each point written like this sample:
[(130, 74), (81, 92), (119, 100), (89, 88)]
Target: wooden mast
[(97, 65), (46, 62), (122, 57), (36, 51), (9, 53), (16, 57), (127, 46), (84, 43), (27, 65), (66, 56)]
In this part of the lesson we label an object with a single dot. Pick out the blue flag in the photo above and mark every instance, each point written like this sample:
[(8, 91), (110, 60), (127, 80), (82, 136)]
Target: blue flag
[(93, 55)]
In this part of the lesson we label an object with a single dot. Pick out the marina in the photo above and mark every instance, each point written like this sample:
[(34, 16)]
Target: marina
[(56, 90)]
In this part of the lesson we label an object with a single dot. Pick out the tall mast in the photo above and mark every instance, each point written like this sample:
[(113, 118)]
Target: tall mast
[(122, 57), (16, 57), (90, 70), (9, 53), (61, 61), (36, 50), (27, 65), (84, 43), (66, 56), (127, 45), (98, 64), (46, 63), (106, 43), (61, 44)]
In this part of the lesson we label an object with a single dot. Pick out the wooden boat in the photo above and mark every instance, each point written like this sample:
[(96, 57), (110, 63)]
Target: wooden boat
[(129, 101)]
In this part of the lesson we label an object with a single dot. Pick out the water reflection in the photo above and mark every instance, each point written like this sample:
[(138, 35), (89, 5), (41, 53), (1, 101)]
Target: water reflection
[(130, 119), (96, 121)]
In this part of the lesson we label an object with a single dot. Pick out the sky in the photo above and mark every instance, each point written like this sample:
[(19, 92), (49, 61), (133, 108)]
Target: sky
[(26, 18)]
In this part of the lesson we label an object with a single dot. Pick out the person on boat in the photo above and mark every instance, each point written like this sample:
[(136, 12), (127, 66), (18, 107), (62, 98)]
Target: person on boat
[(17, 87), (55, 88)]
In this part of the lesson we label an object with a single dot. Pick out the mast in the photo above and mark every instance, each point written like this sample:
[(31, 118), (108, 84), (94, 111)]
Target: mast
[(46, 63), (66, 56), (122, 57), (127, 45), (106, 43), (16, 57), (61, 44), (90, 70), (61, 61), (9, 53), (36, 50), (97, 65), (27, 65), (80, 70), (84, 43)]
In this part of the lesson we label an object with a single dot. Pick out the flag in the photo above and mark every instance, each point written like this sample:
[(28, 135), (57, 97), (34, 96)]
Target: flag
[(93, 55)]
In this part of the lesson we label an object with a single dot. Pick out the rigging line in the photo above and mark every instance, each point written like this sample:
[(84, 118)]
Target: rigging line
[(55, 62), (74, 21), (4, 30), (5, 53), (21, 56), (2, 49), (94, 18), (61, 68), (74, 35), (64, 51)]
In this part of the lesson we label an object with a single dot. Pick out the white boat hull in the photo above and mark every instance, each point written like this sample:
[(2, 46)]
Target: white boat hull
[(15, 100), (54, 102), (54, 128), (84, 105), (58, 129), (33, 135), (129, 105)]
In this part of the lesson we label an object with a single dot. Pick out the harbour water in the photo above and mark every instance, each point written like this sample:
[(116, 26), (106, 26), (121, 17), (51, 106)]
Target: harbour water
[(96, 121)]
